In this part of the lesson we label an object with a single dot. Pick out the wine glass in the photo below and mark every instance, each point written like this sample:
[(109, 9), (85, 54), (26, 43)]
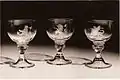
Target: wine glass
[(60, 32), (99, 31), (21, 31)]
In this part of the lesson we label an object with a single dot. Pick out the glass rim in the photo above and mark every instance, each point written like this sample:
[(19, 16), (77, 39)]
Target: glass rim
[(17, 22), (21, 20), (68, 19), (100, 20)]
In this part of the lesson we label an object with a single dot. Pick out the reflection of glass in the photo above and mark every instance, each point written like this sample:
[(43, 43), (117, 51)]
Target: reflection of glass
[(42, 56), (5, 60), (22, 32), (98, 32), (79, 60), (60, 33)]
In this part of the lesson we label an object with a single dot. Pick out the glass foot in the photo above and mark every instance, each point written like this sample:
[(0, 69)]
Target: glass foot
[(22, 63), (59, 60), (38, 56), (5, 60), (79, 60), (98, 63)]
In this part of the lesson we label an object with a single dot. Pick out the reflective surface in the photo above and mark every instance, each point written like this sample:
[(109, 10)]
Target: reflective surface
[(42, 70)]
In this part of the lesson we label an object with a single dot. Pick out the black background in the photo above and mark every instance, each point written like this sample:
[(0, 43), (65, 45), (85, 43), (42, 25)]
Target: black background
[(81, 12)]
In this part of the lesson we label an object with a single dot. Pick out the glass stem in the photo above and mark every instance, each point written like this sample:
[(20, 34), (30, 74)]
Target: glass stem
[(98, 47), (59, 49), (22, 49)]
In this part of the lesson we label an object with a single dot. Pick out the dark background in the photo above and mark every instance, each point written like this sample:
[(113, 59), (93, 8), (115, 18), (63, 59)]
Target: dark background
[(81, 12)]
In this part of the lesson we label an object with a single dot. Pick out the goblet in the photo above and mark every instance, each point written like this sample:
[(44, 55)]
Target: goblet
[(21, 31), (99, 31), (60, 32)]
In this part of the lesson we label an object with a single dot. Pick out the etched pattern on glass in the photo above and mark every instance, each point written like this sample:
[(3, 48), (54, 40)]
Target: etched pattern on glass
[(97, 33), (60, 35), (23, 36)]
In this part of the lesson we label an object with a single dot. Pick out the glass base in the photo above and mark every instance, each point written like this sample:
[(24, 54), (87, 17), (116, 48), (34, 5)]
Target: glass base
[(79, 60), (98, 63), (22, 63), (38, 56), (5, 60), (59, 60)]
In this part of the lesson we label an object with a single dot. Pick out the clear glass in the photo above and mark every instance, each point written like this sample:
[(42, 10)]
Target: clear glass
[(98, 31), (60, 32), (21, 31)]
